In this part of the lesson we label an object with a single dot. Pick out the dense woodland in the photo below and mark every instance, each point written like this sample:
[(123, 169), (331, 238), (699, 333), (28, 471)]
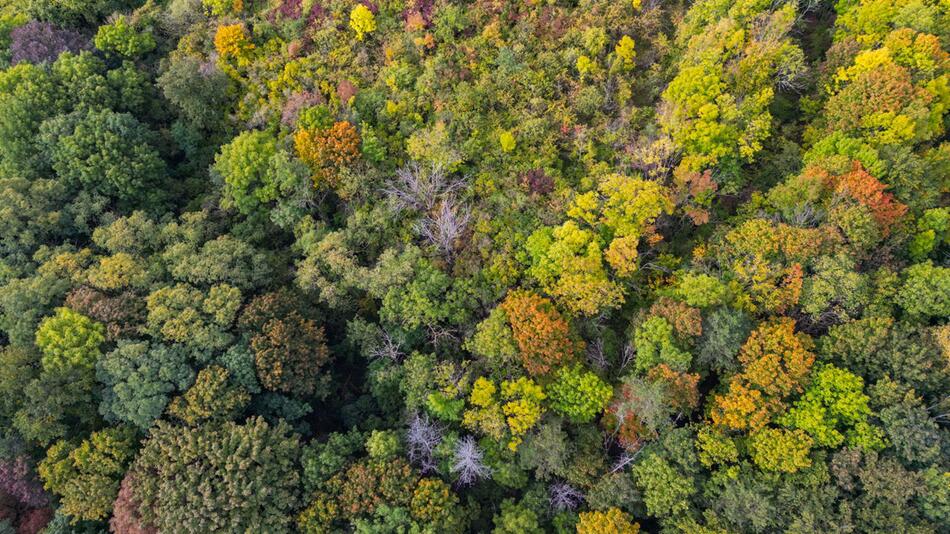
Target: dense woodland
[(446, 266)]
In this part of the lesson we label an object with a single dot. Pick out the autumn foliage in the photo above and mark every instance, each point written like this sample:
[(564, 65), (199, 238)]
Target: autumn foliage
[(542, 335)]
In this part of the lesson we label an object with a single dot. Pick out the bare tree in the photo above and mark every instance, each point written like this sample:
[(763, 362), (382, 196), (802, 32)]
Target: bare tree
[(595, 354), (468, 462), (418, 188), (387, 348), (627, 354), (562, 496), (422, 437), (445, 226)]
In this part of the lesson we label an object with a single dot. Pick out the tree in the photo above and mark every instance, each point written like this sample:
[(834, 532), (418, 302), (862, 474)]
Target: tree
[(514, 518), (289, 353), (776, 449), (245, 164), (435, 506), (87, 476), (325, 150), (39, 42), (253, 467), (139, 378), (122, 38), (611, 521), (775, 362), (58, 404), (109, 153), (578, 394), (125, 511), (231, 41), (362, 21), (717, 115), (69, 340), (666, 492), (925, 291), (75, 12), (541, 334), (468, 462), (834, 409), (212, 397), (199, 89), (655, 345), (184, 314), (569, 263), (494, 340)]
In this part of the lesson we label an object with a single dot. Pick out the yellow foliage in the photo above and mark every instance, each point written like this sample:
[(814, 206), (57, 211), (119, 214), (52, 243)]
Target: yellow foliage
[(626, 51), (362, 21), (232, 41), (611, 521)]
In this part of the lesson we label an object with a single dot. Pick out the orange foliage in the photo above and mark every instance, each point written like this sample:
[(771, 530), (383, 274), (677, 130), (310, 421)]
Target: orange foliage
[(776, 361), (324, 150), (685, 320), (741, 408), (682, 388), (869, 191), (542, 335)]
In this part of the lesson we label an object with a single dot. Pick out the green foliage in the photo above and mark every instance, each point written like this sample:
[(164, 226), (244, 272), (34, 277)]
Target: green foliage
[(139, 380), (109, 153), (655, 344), (581, 266), (925, 291), (253, 466), (834, 409), (69, 339), (86, 476), (515, 517), (246, 166), (578, 394), (666, 491), (122, 38)]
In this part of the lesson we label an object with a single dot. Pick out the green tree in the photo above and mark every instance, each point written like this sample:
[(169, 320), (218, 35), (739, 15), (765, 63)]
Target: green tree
[(109, 153), (87, 476), (834, 410), (212, 397), (122, 38), (925, 291), (578, 394), (69, 339), (139, 378), (253, 466)]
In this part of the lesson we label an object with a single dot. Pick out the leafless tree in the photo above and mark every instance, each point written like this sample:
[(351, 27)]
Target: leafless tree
[(626, 355), (595, 354), (418, 188), (422, 437), (563, 497), (387, 348), (468, 462), (625, 459), (445, 226)]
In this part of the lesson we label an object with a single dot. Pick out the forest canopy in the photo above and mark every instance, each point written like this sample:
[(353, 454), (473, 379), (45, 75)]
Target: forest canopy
[(450, 266)]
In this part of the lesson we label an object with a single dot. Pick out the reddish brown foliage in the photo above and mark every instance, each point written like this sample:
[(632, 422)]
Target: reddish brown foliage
[(122, 314), (682, 388), (685, 320), (289, 354), (869, 191), (543, 336), (125, 511), (367, 485)]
